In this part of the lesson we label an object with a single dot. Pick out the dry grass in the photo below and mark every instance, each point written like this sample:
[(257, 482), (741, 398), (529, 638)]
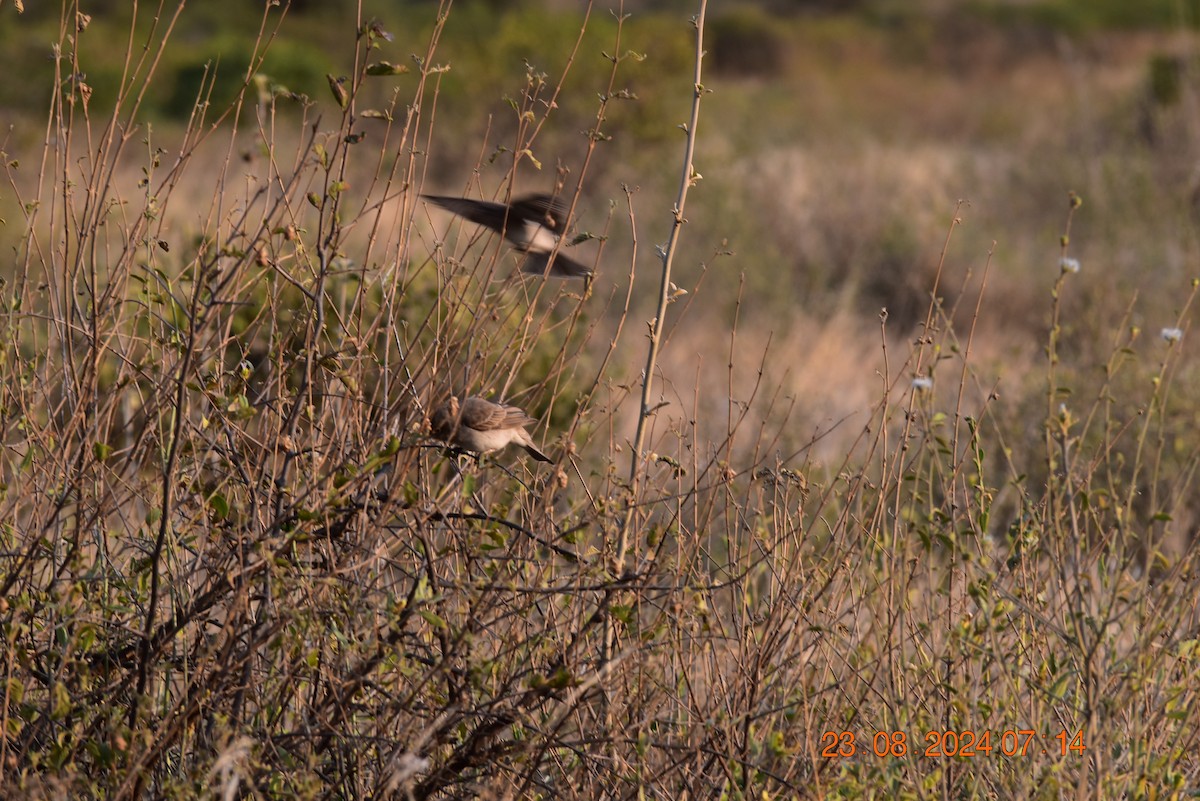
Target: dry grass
[(233, 564)]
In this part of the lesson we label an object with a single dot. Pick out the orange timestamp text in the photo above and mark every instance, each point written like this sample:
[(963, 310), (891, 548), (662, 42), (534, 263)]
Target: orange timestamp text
[(965, 743)]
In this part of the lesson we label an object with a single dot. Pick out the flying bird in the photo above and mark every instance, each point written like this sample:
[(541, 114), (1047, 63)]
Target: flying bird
[(533, 224), (480, 426)]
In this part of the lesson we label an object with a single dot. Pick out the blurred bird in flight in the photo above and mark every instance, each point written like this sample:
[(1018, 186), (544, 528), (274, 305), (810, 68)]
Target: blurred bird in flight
[(533, 224)]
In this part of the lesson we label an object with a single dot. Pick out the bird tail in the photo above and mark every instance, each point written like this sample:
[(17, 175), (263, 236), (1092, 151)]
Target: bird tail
[(563, 266), (535, 453)]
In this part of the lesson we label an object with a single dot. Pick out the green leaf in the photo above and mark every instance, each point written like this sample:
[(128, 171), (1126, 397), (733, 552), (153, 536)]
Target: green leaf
[(339, 91), (432, 619), (219, 505), (62, 702), (386, 68), (623, 613)]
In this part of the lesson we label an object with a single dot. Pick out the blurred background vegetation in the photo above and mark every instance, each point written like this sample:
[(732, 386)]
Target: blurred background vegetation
[(841, 134), (840, 139), (856, 157)]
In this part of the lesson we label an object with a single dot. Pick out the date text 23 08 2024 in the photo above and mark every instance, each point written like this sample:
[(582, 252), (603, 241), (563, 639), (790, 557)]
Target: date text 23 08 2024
[(966, 743)]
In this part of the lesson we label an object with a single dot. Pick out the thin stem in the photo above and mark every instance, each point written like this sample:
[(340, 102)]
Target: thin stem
[(688, 178)]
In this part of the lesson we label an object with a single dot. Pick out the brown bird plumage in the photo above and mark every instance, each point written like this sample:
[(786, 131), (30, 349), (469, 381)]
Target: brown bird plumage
[(480, 426)]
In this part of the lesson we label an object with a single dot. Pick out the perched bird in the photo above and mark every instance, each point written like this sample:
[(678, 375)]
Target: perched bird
[(534, 224), (480, 426)]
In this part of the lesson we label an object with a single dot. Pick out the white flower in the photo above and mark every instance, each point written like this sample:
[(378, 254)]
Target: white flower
[(1068, 265), (922, 383), (1172, 335)]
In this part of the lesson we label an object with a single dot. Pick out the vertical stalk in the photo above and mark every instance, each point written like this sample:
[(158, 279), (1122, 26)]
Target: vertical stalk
[(687, 179)]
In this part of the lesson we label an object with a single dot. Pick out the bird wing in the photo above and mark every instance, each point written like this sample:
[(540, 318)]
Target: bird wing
[(482, 212), (483, 415), (544, 209)]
